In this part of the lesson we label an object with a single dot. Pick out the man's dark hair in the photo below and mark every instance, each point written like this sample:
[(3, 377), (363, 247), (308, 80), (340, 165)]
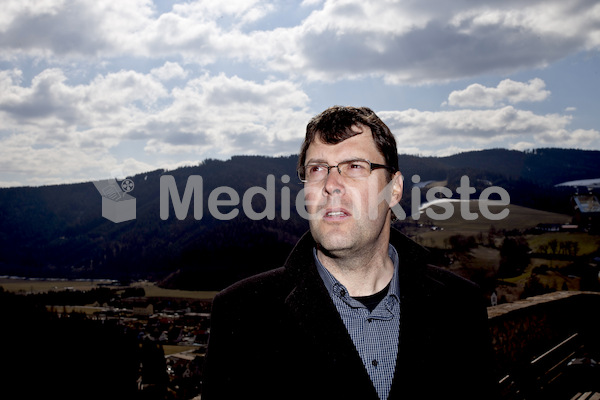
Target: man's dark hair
[(334, 126)]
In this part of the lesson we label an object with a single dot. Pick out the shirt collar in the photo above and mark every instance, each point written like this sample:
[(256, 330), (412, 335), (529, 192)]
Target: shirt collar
[(334, 287)]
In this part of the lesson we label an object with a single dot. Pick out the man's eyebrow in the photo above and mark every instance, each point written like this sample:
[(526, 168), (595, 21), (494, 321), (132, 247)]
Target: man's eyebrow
[(316, 161), (322, 161)]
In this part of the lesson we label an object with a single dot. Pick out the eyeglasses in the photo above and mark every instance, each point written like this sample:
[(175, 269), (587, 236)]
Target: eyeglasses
[(354, 169)]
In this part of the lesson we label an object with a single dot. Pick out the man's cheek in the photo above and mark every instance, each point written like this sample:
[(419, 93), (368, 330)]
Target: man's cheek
[(308, 202)]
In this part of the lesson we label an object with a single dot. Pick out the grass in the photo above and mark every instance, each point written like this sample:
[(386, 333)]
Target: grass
[(154, 291), (553, 279), (150, 289), (173, 349), (518, 218), (484, 258), (519, 278), (587, 243), (41, 286)]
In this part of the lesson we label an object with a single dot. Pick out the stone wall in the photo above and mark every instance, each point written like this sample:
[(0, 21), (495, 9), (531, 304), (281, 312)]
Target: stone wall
[(526, 329)]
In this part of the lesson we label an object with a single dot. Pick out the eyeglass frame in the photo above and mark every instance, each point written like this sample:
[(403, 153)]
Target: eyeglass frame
[(372, 166)]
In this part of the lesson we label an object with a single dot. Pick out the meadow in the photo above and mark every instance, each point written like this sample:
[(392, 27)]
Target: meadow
[(34, 286), (483, 260)]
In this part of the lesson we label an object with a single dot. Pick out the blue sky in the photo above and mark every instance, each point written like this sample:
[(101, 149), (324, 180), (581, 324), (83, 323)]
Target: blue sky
[(94, 88)]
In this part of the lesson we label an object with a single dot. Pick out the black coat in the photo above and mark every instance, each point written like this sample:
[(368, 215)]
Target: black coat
[(278, 335)]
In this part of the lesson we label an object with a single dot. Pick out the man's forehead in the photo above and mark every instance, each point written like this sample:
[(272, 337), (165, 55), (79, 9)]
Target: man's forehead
[(360, 145)]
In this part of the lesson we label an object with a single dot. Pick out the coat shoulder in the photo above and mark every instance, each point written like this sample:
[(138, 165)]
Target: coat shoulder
[(448, 279), (452, 290), (263, 287)]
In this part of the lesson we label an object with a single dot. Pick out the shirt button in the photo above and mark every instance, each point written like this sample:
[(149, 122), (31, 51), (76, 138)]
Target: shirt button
[(342, 293), (374, 363)]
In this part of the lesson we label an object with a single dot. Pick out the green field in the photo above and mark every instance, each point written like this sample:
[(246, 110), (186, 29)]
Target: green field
[(26, 286), (42, 286), (485, 260), (428, 232), (587, 243), (518, 218), (154, 291)]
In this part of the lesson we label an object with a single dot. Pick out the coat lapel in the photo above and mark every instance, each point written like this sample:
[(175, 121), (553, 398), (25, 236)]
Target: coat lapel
[(319, 323), (321, 326), (414, 295)]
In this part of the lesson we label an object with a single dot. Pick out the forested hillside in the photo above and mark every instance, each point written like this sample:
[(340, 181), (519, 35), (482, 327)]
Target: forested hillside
[(59, 231)]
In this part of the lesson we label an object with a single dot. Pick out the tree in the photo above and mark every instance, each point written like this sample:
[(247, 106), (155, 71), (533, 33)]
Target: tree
[(462, 243), (514, 256), (492, 236), (553, 244), (534, 287), (575, 248)]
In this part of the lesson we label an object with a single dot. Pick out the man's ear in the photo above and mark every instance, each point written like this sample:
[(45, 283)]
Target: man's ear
[(397, 187)]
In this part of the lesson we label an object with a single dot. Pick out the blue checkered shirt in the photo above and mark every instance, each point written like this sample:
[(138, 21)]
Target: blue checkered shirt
[(375, 334)]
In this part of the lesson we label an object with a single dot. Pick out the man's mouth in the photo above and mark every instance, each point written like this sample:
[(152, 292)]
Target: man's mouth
[(335, 214)]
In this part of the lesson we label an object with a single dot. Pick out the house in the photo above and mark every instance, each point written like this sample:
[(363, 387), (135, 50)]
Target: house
[(587, 211)]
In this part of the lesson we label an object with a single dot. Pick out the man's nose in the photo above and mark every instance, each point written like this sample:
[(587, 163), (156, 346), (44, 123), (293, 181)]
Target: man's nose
[(334, 182)]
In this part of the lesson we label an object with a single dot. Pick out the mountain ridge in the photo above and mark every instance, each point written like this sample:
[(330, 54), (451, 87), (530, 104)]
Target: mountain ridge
[(59, 230)]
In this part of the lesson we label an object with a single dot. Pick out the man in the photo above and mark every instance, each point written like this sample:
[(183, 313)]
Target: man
[(356, 312)]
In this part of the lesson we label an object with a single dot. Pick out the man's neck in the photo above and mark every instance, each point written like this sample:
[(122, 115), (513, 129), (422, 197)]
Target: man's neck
[(361, 274)]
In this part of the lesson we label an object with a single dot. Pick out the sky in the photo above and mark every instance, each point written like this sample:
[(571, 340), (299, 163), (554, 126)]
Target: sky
[(92, 89)]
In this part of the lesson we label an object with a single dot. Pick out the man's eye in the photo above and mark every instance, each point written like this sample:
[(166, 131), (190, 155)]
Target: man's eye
[(316, 168), (357, 166)]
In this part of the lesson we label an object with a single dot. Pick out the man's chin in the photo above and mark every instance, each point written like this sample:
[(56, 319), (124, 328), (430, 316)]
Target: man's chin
[(333, 245)]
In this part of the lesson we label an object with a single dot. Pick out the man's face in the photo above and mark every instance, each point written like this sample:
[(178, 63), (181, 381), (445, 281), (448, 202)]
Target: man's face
[(350, 215)]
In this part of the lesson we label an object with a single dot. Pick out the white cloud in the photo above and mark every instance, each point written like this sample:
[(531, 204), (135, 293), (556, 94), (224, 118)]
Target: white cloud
[(424, 42), (522, 146), (431, 131), (23, 156), (93, 115), (310, 3), (578, 138), (87, 85), (242, 11), (52, 129), (402, 42), (221, 116), (477, 95), (72, 28), (170, 70)]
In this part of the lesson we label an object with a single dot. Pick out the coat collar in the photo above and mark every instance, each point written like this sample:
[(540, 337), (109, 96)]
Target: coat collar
[(314, 312), (412, 257), (319, 323)]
